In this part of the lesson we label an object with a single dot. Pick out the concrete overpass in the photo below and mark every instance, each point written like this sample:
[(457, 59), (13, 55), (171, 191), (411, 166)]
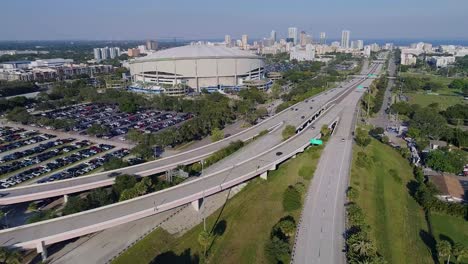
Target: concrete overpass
[(300, 115), (38, 235)]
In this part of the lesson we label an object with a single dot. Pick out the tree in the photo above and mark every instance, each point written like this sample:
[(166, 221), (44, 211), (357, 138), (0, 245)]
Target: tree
[(277, 250), (287, 226), (457, 84), (204, 238), (288, 132), (364, 248), (275, 90), (143, 150), (459, 251), (75, 204), (429, 122), (291, 199), (97, 129), (362, 138), (115, 163), (216, 134), (444, 249), (10, 256), (123, 182)]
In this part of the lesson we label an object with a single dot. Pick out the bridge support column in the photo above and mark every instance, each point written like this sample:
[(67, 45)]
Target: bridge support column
[(65, 198), (272, 168), (293, 157), (264, 175), (197, 204), (41, 248)]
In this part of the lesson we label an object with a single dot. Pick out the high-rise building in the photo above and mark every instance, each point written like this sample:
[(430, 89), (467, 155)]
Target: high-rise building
[(345, 35), (97, 54), (133, 52), (323, 38), (112, 52), (151, 45), (227, 40), (303, 39), (292, 34), (357, 44), (273, 35), (105, 53), (245, 41)]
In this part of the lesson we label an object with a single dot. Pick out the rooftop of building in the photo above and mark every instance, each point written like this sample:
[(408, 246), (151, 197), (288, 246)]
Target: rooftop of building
[(198, 51), (448, 185)]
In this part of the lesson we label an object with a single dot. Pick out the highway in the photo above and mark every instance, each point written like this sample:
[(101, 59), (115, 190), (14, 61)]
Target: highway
[(320, 236), (290, 116), (59, 229)]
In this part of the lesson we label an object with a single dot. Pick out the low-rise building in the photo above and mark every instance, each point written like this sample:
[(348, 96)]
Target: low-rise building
[(303, 54), (449, 186)]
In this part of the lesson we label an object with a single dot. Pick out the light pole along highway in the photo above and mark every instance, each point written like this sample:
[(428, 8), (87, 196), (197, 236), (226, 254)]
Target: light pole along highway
[(40, 234)]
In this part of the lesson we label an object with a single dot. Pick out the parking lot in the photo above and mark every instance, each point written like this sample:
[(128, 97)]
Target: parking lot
[(65, 153), (13, 138), (85, 167), (115, 122)]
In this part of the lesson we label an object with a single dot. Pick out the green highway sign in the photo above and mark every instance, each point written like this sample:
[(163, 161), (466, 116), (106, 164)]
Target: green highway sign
[(315, 141), (360, 87)]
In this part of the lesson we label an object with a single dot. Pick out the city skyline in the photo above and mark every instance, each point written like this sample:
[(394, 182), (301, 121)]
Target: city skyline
[(143, 19)]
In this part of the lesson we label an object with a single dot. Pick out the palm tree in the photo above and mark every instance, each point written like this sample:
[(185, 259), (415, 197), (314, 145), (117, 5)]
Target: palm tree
[(460, 252), (363, 248), (8, 256), (444, 248), (204, 238)]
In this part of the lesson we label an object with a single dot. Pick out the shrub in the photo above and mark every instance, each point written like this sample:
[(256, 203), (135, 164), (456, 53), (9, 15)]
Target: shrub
[(307, 171), (288, 132), (291, 199)]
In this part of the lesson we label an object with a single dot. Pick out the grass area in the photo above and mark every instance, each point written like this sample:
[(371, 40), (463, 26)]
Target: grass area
[(445, 97), (245, 221), (451, 228), (397, 222)]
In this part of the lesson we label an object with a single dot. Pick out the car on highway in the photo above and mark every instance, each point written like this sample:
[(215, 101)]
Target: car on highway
[(279, 153)]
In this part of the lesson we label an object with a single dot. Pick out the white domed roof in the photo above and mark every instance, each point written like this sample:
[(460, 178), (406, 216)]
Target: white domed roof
[(198, 51)]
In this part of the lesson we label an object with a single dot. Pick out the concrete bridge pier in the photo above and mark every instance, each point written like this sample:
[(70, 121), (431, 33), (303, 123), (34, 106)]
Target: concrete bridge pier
[(65, 198), (41, 248), (265, 174), (197, 204)]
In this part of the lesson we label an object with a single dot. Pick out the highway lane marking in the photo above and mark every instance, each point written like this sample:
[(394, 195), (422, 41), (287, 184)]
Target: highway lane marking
[(336, 197)]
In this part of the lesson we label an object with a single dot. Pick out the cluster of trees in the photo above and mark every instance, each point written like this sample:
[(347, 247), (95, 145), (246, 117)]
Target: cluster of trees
[(97, 129), (246, 107), (278, 248), (424, 193), (362, 138), (445, 250), (430, 122), (361, 249), (412, 84), (380, 85), (17, 101), (10, 256), (10, 88), (449, 161)]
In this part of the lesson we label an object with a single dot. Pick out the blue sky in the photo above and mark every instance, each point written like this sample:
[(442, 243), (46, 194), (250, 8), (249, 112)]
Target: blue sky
[(202, 19)]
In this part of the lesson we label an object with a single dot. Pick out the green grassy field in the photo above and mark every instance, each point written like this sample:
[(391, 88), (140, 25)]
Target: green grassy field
[(454, 229), (445, 97), (246, 221), (397, 221)]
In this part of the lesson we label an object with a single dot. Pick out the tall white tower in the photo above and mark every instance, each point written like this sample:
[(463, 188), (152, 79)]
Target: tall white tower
[(345, 34)]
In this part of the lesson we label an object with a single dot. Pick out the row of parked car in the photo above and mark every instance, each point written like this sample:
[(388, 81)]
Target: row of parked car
[(10, 134), (36, 159), (24, 142), (55, 164), (35, 150), (116, 122), (86, 167)]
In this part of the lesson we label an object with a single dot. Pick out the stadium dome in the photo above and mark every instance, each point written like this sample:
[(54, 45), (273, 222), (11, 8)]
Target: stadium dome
[(198, 67)]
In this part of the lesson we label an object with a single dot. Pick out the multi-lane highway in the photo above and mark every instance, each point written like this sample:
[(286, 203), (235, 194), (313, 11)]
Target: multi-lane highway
[(296, 115), (47, 232), (320, 236)]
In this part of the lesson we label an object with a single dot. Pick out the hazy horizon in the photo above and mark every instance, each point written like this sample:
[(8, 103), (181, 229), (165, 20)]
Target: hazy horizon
[(208, 19)]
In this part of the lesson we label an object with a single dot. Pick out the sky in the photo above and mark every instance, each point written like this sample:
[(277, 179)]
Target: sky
[(212, 19)]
